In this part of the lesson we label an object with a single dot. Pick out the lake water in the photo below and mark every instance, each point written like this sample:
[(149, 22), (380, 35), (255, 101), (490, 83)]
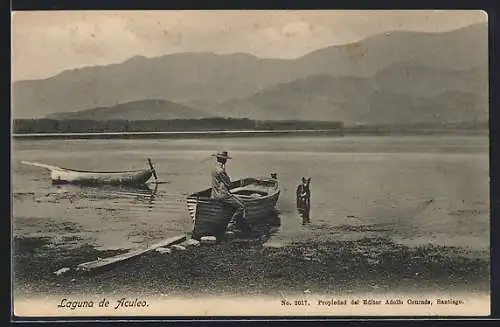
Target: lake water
[(411, 189)]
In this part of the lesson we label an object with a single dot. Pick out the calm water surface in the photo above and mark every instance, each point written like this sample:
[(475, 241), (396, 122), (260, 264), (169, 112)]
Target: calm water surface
[(409, 189)]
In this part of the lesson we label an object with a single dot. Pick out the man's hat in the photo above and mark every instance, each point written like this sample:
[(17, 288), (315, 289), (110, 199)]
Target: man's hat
[(221, 154)]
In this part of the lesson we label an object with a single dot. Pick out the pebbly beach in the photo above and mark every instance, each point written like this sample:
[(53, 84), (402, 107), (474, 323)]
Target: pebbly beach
[(252, 267)]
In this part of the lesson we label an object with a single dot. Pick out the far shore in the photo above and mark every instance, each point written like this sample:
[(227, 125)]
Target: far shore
[(244, 133)]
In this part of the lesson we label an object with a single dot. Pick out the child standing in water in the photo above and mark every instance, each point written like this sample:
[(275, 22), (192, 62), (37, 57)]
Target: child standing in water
[(304, 200)]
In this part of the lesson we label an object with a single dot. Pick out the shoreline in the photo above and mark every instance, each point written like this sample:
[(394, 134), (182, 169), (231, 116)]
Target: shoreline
[(242, 133), (177, 135), (253, 267)]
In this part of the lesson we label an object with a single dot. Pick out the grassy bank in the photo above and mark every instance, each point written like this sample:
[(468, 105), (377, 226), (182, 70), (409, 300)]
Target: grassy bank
[(251, 267)]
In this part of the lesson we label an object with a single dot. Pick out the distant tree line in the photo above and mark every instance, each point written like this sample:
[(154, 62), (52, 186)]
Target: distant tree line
[(472, 126), (24, 126)]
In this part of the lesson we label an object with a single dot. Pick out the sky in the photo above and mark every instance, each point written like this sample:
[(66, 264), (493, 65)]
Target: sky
[(45, 43)]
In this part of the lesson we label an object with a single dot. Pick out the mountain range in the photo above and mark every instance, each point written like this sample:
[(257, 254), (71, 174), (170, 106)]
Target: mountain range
[(396, 77), (149, 110)]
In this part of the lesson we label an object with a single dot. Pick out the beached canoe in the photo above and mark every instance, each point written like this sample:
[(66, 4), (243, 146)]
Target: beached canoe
[(61, 175), (210, 217)]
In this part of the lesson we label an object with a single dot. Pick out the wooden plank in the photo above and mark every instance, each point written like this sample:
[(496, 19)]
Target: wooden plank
[(93, 265)]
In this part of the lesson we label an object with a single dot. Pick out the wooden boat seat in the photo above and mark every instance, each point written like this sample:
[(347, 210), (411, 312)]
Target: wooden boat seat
[(249, 191)]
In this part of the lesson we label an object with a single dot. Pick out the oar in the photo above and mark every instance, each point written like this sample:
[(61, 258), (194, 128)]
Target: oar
[(153, 170)]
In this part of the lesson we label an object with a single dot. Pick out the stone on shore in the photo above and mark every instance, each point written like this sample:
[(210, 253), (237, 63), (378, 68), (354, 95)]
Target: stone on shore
[(61, 271), (178, 247), (208, 240), (191, 243), (164, 250), (275, 245)]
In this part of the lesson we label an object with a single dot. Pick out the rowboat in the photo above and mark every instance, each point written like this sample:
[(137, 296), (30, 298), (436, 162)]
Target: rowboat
[(210, 217), (61, 175)]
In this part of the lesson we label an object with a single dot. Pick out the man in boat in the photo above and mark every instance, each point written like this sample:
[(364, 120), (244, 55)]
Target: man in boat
[(304, 200), (221, 185)]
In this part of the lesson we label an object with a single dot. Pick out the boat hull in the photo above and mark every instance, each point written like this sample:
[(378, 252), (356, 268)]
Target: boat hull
[(211, 217), (67, 176)]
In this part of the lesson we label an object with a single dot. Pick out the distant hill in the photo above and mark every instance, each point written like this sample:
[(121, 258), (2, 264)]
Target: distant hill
[(205, 80), (424, 80), (376, 100), (402, 94), (137, 110), (460, 49)]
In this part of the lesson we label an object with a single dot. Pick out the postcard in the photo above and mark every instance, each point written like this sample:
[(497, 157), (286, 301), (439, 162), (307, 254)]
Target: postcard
[(250, 163)]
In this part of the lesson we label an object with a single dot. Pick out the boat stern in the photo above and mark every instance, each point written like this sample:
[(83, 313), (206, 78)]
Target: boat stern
[(210, 217), (192, 206)]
